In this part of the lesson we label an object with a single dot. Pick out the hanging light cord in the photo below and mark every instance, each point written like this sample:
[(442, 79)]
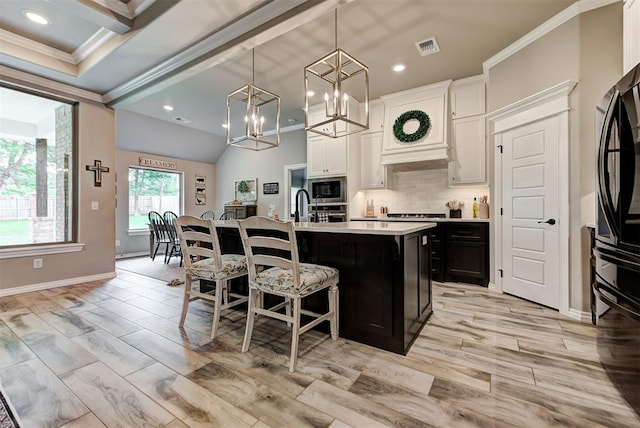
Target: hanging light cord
[(253, 66), (336, 27)]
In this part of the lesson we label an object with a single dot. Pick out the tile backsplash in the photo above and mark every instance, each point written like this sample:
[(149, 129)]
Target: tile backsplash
[(423, 188)]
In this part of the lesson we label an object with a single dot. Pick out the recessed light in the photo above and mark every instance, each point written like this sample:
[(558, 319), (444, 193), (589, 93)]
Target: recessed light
[(182, 119), (35, 17), (225, 126), (310, 93), (167, 107), (398, 67)]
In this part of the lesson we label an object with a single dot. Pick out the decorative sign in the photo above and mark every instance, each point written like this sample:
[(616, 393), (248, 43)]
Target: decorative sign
[(201, 189), (271, 188), (156, 163), (97, 170)]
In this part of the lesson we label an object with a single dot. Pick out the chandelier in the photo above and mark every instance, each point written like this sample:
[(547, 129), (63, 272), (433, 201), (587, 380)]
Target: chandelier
[(253, 116), (344, 83)]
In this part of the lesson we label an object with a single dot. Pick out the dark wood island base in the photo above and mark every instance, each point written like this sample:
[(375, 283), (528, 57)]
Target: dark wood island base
[(385, 281)]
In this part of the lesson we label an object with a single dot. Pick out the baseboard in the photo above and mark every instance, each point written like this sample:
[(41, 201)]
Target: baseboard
[(131, 255), (492, 287), (577, 315), (55, 284)]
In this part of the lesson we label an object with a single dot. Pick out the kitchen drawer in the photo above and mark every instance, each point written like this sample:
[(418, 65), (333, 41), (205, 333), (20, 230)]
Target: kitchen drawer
[(467, 232)]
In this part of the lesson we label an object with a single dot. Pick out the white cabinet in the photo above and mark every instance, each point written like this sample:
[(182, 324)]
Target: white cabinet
[(317, 114), (372, 172), (376, 116), (468, 151), (631, 34), (326, 156), (467, 97)]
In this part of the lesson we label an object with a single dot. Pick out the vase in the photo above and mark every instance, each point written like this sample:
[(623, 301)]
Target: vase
[(455, 213), (483, 210)]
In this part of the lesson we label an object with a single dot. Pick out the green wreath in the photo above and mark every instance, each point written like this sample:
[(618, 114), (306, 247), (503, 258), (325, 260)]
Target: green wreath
[(420, 116)]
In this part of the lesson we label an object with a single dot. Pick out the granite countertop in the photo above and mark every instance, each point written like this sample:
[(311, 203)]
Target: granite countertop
[(420, 220), (354, 227)]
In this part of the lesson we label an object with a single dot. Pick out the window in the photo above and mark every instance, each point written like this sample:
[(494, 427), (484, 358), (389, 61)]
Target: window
[(37, 169), (152, 190)]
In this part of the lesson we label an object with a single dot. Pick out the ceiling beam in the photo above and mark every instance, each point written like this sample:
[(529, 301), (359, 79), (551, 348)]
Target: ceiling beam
[(114, 16)]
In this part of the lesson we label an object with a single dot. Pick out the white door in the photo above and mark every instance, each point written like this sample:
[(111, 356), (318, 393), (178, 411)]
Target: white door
[(530, 188)]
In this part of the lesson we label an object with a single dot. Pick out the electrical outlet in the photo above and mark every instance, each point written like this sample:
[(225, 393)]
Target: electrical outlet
[(94, 205), (37, 263)]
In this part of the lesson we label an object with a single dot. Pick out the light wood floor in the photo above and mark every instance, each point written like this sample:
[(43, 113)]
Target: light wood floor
[(111, 354)]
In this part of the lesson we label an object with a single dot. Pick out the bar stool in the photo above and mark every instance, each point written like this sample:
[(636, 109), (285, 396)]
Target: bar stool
[(286, 277), (203, 261)]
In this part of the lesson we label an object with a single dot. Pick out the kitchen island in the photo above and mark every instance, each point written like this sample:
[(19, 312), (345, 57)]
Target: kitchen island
[(385, 283)]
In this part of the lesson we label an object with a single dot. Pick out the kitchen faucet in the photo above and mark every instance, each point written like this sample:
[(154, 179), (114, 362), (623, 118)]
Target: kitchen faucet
[(296, 214)]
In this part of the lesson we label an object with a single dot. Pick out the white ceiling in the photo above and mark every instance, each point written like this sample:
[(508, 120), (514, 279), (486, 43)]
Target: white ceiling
[(142, 54)]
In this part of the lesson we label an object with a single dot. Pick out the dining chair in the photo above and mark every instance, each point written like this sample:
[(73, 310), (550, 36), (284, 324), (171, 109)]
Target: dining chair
[(169, 217), (203, 260), (160, 233), (228, 215), (208, 215), (283, 275)]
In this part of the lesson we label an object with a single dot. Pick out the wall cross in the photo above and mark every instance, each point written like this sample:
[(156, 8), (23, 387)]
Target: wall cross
[(97, 170)]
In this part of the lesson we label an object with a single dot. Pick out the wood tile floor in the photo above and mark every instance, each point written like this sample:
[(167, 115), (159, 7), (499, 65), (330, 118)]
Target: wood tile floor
[(111, 354)]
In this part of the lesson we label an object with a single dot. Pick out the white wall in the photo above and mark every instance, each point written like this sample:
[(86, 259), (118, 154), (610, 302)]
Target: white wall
[(266, 165), (587, 49)]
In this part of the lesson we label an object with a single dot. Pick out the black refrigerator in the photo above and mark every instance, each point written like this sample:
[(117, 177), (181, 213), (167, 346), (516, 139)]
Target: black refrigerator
[(617, 235)]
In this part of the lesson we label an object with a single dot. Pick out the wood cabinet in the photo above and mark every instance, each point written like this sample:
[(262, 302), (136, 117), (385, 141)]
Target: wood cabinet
[(373, 175), (241, 211), (385, 284), (326, 156), (467, 97), (467, 159), (467, 149)]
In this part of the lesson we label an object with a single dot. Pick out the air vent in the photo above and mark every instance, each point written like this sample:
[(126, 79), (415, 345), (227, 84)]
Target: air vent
[(181, 119), (428, 46)]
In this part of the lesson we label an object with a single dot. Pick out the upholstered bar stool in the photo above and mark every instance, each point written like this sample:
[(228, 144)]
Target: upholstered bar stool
[(283, 275), (203, 260)]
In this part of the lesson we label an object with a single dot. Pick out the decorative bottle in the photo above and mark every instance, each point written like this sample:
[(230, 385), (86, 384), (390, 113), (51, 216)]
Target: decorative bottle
[(475, 208)]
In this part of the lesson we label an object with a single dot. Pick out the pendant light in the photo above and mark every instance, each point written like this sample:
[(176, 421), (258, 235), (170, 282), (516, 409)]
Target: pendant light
[(253, 116), (336, 94)]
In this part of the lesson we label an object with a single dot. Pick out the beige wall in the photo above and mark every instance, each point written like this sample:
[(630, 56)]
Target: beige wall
[(96, 139), (267, 165), (135, 244), (587, 49)]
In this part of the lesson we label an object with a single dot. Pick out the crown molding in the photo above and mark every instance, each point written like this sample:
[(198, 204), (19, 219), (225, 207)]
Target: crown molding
[(92, 44), (556, 21), (25, 43), (51, 86)]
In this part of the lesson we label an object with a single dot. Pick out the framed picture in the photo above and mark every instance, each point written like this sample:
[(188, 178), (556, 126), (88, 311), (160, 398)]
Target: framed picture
[(244, 190), (270, 188), (201, 190), (201, 200), (201, 180)]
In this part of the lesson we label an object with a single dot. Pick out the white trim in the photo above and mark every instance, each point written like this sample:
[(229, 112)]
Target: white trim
[(492, 287), (286, 192), (93, 43), (131, 255), (138, 232), (554, 101), (577, 315), (543, 29), (41, 250), (25, 43), (55, 284), (45, 84)]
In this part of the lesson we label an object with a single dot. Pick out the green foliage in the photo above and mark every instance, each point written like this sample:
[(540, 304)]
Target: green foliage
[(14, 232), (420, 116), (243, 187), (147, 182)]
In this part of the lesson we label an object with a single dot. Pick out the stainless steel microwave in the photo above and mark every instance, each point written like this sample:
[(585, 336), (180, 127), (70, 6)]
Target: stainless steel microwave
[(332, 189)]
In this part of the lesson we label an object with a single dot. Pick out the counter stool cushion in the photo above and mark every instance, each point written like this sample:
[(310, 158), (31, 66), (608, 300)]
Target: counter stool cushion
[(231, 264), (312, 278)]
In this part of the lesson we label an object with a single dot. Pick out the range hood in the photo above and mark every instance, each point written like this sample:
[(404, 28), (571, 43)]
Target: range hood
[(430, 99)]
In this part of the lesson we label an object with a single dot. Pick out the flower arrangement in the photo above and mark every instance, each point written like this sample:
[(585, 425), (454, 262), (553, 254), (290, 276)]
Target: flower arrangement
[(243, 187)]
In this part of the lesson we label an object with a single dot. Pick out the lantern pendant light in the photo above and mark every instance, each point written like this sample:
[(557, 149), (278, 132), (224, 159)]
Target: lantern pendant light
[(256, 112), (342, 83)]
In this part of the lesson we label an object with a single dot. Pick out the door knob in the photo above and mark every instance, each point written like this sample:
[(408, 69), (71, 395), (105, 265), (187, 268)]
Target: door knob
[(551, 221)]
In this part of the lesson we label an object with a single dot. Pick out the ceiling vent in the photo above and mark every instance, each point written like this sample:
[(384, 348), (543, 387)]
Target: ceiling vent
[(181, 120), (428, 46)]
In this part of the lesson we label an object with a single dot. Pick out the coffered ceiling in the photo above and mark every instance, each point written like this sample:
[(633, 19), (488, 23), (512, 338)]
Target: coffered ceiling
[(138, 55)]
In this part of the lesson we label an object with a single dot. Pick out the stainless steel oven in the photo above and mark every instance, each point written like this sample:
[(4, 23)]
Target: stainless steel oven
[(332, 212), (328, 190)]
